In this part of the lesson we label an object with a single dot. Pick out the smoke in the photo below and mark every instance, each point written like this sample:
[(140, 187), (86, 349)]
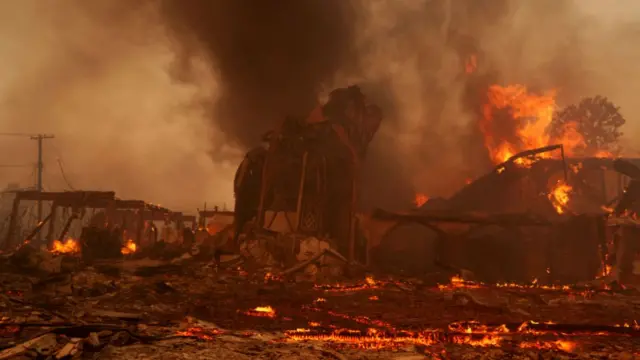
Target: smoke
[(158, 99), (95, 74), (272, 60), (419, 49)]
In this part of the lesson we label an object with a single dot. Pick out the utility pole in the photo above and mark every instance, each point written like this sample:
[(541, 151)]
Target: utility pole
[(40, 138)]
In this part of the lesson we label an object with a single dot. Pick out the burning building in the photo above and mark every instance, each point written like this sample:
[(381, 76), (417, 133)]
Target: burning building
[(547, 199)]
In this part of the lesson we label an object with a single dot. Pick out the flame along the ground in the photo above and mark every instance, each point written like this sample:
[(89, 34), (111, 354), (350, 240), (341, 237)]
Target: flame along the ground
[(378, 335), (72, 246)]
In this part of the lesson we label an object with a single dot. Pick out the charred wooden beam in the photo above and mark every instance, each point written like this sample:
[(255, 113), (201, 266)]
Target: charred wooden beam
[(67, 225), (52, 222), (534, 152), (39, 227)]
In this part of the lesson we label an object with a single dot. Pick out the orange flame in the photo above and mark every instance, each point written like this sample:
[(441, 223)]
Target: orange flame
[(261, 311), (129, 248), (70, 246), (420, 199), (531, 115), (199, 333), (559, 196)]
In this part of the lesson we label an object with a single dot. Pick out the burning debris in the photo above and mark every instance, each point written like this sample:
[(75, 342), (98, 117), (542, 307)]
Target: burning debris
[(129, 247), (69, 246), (521, 261), (261, 311)]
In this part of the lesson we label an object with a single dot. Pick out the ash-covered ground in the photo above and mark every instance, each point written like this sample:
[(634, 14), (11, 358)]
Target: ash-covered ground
[(188, 309)]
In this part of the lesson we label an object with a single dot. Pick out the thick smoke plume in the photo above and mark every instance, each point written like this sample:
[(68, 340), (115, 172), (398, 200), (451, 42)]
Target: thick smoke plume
[(272, 58)]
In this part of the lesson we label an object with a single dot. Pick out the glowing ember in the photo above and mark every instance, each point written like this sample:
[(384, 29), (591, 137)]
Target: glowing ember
[(559, 196), (458, 282), (371, 339), (271, 277), (200, 333), (261, 311), (70, 246), (129, 248), (566, 346), (464, 333), (369, 283), (373, 298), (420, 200)]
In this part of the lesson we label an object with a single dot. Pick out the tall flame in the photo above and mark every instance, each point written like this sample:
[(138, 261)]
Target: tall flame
[(531, 115)]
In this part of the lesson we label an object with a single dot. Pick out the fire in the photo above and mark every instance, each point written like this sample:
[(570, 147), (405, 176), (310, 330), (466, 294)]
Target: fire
[(530, 115), (261, 311), (458, 282), (559, 196), (461, 333), (129, 248), (563, 345), (420, 199), (70, 246), (199, 333)]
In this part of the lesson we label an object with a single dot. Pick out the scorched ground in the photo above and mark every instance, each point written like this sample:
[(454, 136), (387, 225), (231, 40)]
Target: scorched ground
[(193, 310)]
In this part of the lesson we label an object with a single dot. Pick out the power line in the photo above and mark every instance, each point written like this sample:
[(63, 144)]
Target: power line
[(17, 134), (64, 176), (61, 167)]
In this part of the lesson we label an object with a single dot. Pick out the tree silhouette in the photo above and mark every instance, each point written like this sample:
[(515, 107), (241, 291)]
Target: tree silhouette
[(597, 119)]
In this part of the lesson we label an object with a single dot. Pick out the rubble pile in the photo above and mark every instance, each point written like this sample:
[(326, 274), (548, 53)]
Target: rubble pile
[(185, 308)]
